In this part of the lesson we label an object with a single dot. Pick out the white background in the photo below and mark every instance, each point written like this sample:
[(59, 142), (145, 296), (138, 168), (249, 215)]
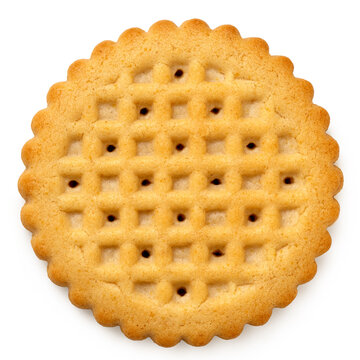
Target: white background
[(40, 39)]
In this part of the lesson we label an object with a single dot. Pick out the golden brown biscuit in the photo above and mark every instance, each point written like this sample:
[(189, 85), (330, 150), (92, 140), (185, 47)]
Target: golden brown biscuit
[(180, 183)]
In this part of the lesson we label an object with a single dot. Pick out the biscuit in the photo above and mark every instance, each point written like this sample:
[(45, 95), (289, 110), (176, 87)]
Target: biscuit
[(180, 183)]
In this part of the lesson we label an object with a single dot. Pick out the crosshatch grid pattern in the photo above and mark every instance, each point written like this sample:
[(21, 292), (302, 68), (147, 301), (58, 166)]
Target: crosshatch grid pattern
[(216, 234), (124, 229)]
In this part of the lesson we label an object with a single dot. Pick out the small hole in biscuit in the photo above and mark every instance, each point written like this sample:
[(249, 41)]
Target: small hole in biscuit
[(110, 148), (181, 291), (145, 182), (144, 111), (251, 145), (180, 147), (253, 217), (73, 183), (181, 217), (215, 110), (111, 218), (216, 181), (145, 254), (289, 180), (179, 73), (217, 253)]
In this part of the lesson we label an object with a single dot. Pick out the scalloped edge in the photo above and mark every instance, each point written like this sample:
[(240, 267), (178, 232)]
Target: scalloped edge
[(27, 182)]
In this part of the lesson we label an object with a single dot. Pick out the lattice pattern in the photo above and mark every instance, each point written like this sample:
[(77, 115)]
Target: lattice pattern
[(182, 175), (180, 181)]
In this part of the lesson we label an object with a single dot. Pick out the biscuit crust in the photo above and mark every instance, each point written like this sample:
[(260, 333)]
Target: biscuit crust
[(180, 183)]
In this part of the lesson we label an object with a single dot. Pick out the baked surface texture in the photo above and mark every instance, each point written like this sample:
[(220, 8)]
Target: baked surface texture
[(181, 183)]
